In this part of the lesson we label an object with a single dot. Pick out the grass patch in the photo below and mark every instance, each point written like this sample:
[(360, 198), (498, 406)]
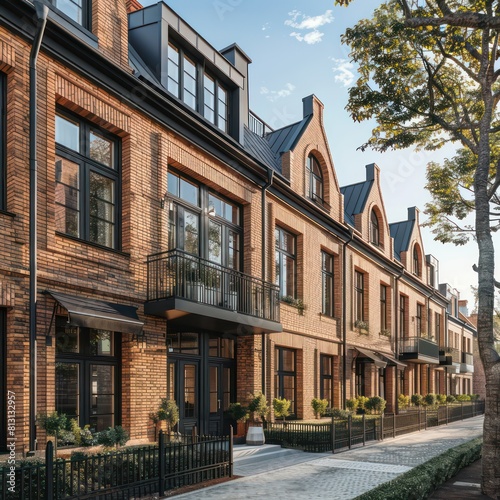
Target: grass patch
[(421, 481)]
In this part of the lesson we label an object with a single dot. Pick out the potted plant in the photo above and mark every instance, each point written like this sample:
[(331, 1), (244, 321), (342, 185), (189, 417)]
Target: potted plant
[(258, 409), (53, 424), (169, 412), (319, 406), (240, 414), (281, 407)]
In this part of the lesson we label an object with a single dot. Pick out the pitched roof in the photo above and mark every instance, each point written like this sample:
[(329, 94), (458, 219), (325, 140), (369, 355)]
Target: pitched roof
[(355, 196), (284, 139), (258, 147), (401, 233)]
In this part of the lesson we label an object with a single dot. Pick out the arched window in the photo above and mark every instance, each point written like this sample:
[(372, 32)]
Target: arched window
[(374, 229), (315, 180), (416, 260)]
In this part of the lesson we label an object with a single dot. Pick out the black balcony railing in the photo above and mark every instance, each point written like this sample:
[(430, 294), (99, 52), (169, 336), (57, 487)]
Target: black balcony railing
[(420, 346), (467, 358), (177, 274), (449, 355)]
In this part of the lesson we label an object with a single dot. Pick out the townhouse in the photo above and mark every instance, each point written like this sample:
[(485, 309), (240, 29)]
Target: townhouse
[(160, 240)]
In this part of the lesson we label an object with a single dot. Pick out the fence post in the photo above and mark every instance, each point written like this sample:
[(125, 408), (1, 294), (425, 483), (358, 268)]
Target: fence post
[(230, 451), (447, 415), (419, 419), (349, 429), (333, 433), (394, 425), (425, 415), (462, 409), (161, 462), (49, 471), (364, 429), (381, 426)]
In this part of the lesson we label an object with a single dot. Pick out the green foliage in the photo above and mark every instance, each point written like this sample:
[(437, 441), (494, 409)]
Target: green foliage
[(338, 413), (463, 397), (375, 404), (112, 437), (362, 400), (351, 404), (319, 406), (53, 423), (298, 303), (238, 412), (421, 481), (416, 400), (258, 407), (281, 407), (441, 399), (430, 399), (450, 398), (168, 412), (87, 438), (403, 401)]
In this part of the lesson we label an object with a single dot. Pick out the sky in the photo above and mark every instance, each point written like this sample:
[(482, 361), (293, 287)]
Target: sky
[(296, 51)]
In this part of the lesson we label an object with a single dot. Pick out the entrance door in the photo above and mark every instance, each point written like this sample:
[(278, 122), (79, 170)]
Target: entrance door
[(219, 377), (188, 395)]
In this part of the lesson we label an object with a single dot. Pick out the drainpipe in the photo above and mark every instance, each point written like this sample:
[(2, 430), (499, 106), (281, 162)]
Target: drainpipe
[(344, 316), (41, 13), (396, 327), (270, 179)]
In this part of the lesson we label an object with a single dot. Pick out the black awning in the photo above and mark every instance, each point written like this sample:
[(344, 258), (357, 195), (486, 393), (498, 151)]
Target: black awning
[(379, 363), (392, 361), (97, 314)]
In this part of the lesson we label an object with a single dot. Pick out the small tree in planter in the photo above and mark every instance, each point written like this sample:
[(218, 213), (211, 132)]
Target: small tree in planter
[(239, 413), (169, 412), (430, 399), (441, 399), (375, 404), (53, 424), (319, 407), (113, 437), (362, 400), (403, 402), (351, 405), (416, 400), (281, 408), (258, 409)]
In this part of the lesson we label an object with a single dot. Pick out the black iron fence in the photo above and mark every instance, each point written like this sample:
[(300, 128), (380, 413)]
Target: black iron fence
[(340, 434), (131, 473)]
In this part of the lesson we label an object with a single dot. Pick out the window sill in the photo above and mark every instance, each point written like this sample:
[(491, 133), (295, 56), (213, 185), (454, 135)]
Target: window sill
[(7, 214), (94, 245)]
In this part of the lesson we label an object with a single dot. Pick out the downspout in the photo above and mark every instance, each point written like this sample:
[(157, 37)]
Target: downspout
[(396, 327), (41, 13), (344, 316), (270, 178)]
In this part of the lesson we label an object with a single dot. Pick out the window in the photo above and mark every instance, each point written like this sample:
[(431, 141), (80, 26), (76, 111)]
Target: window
[(418, 319), (87, 387), (359, 301), (77, 10), (3, 138), (315, 180), (87, 182), (437, 321), (384, 325), (182, 76), (285, 379), (326, 379), (214, 102), (285, 261), (360, 376), (416, 261), (327, 283), (402, 316), (374, 229)]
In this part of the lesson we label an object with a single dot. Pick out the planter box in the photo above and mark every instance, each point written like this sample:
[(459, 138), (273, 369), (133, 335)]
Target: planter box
[(255, 436)]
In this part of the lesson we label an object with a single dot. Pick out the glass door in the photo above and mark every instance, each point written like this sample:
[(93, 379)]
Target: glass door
[(219, 398)]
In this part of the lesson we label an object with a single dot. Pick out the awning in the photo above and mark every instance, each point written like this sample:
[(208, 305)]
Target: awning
[(392, 361), (379, 363), (98, 314)]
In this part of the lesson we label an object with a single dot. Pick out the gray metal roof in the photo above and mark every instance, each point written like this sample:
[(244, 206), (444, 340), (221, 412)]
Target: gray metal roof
[(258, 147), (355, 196), (139, 66), (401, 232), (284, 139)]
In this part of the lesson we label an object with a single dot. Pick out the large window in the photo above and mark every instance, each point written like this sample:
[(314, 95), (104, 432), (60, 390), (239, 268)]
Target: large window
[(87, 387), (437, 320), (402, 316), (315, 180), (215, 101), (77, 10), (416, 261), (374, 229), (87, 182), (326, 379), (418, 319), (285, 376), (327, 283), (359, 299), (384, 325), (3, 138), (285, 261)]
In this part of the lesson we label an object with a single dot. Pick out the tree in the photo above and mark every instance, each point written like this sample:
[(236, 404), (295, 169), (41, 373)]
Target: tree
[(429, 76)]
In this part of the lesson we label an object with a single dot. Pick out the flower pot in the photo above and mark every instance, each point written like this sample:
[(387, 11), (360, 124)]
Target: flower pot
[(255, 436)]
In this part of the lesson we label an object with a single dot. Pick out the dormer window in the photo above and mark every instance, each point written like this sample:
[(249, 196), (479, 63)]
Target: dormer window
[(315, 180), (416, 261), (182, 76), (374, 229), (214, 102), (77, 10)]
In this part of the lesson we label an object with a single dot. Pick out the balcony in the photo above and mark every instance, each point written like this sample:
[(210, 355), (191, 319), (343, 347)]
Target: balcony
[(467, 364), (192, 292), (419, 350), (449, 356)]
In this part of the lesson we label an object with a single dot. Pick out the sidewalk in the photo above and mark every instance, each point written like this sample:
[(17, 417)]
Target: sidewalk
[(271, 471)]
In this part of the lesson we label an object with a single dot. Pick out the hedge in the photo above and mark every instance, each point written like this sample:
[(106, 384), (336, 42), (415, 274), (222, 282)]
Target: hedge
[(419, 482)]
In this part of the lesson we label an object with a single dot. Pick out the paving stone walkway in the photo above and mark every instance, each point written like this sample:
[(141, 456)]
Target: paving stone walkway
[(275, 473)]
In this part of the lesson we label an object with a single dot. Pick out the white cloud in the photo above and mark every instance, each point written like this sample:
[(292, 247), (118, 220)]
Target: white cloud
[(308, 22), (343, 69), (274, 95)]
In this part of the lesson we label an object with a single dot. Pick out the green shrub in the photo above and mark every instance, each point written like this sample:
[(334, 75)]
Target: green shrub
[(463, 397), (403, 401), (238, 412), (450, 398), (169, 412), (375, 404), (54, 424), (281, 407), (421, 481), (351, 404), (319, 406), (441, 399), (362, 400), (416, 400), (338, 413), (112, 437), (258, 407), (430, 399), (474, 397)]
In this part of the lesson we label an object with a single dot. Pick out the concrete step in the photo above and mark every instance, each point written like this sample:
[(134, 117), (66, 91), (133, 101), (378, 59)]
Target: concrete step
[(245, 452)]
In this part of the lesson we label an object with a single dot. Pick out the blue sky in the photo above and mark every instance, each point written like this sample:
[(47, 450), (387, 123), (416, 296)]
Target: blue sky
[(296, 51)]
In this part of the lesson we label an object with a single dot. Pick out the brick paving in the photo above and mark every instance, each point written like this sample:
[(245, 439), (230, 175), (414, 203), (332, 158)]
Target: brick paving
[(297, 475)]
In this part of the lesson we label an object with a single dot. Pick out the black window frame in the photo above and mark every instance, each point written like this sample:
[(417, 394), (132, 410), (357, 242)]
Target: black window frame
[(218, 85), (374, 229), (360, 376), (315, 178), (384, 324), (437, 321), (419, 316), (327, 280), (359, 296), (84, 359), (86, 13), (281, 373), (280, 255), (416, 261), (87, 165), (326, 376), (3, 141), (403, 309)]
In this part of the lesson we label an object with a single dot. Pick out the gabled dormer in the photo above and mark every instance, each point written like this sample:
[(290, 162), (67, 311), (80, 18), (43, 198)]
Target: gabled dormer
[(213, 84), (364, 210), (408, 246)]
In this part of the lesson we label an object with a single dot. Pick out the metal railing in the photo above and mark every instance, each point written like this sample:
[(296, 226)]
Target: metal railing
[(258, 126), (450, 352), (419, 345), (467, 358), (357, 430), (131, 473), (178, 274)]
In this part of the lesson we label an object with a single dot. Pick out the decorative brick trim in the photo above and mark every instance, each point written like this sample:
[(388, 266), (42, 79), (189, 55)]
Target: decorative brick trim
[(7, 57)]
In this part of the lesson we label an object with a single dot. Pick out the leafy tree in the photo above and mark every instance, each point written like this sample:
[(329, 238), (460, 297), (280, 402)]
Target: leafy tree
[(281, 407), (319, 406), (169, 412), (429, 76)]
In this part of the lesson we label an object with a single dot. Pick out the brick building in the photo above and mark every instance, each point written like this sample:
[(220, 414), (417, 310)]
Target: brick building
[(159, 240)]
